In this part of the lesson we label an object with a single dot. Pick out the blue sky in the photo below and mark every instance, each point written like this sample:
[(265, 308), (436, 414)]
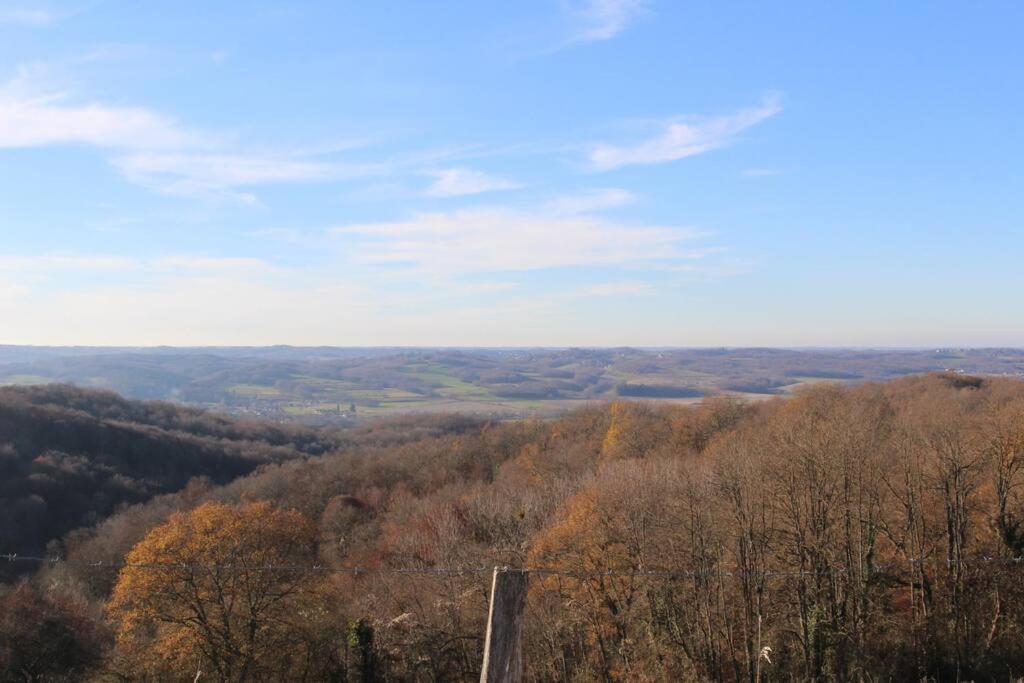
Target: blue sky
[(546, 172)]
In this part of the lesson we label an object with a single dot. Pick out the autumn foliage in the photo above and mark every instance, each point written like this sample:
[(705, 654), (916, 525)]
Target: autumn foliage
[(870, 532), (222, 591)]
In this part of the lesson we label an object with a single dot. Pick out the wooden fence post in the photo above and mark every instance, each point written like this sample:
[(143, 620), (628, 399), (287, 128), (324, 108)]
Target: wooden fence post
[(503, 655)]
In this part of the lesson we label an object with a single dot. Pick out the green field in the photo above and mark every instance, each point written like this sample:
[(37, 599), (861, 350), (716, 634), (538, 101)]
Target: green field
[(25, 379), (253, 391), (450, 386)]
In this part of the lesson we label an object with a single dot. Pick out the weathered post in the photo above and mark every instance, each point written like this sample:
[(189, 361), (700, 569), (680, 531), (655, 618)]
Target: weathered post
[(503, 655)]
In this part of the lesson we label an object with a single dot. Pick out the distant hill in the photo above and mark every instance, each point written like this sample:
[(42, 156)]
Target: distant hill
[(344, 385)]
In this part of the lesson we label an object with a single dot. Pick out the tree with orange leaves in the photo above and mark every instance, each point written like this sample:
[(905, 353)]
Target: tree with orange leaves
[(218, 594)]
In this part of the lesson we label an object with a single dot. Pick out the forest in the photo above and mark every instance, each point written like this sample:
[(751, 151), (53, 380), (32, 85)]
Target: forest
[(863, 532)]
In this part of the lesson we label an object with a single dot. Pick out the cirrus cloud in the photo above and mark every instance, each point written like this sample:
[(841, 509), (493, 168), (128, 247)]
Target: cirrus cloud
[(594, 20), (50, 120), (21, 16), (681, 139), (188, 173), (151, 149), (591, 201), (457, 182), (498, 239)]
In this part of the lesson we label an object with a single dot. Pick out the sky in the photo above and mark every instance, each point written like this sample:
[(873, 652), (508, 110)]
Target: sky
[(535, 173)]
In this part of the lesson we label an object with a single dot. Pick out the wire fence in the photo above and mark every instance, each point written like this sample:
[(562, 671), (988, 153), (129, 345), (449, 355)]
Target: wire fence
[(669, 574)]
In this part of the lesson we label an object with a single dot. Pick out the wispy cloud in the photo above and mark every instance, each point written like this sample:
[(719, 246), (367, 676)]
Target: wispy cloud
[(456, 182), (154, 150), (193, 300), (24, 276), (680, 139), (474, 288), (590, 201), (594, 20), (287, 235), (26, 17), (501, 239), (213, 173), (50, 120), (48, 263), (11, 291), (213, 264), (43, 264), (609, 289)]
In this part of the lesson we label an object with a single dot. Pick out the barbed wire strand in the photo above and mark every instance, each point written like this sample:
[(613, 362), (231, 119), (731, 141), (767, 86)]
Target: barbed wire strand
[(540, 571)]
